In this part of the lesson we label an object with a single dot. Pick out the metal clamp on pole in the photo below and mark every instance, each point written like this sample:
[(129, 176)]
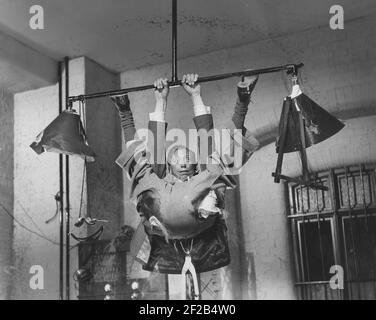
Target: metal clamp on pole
[(174, 77)]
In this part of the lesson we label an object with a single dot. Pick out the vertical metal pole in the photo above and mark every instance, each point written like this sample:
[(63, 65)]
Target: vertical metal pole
[(286, 108), (61, 200), (354, 248), (302, 147), (318, 211), (167, 288), (174, 41), (336, 230), (370, 240), (67, 200), (306, 272)]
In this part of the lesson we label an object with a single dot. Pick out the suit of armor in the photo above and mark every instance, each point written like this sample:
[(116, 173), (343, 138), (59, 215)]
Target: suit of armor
[(170, 208)]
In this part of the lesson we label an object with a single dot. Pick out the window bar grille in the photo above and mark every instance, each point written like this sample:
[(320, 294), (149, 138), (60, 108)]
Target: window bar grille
[(320, 241), (348, 282), (370, 240), (306, 269), (352, 238), (356, 261), (338, 253), (296, 216)]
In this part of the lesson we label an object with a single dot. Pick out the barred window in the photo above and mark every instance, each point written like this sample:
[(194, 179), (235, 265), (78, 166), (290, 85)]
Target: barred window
[(335, 227)]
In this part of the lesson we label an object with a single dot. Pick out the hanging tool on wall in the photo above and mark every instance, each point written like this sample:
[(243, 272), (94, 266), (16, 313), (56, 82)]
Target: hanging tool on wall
[(86, 220), (57, 198)]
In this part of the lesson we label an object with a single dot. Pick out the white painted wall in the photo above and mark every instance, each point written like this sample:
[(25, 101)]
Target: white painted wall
[(264, 206), (36, 181), (339, 74), (36, 178)]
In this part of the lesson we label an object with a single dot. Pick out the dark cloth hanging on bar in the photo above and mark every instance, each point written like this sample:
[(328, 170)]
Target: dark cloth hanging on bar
[(64, 135), (319, 124)]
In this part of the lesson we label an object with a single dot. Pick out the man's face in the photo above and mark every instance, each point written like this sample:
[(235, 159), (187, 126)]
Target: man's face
[(182, 164)]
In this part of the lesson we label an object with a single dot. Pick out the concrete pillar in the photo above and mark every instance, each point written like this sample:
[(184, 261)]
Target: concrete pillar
[(102, 196), (36, 178), (104, 176), (6, 192)]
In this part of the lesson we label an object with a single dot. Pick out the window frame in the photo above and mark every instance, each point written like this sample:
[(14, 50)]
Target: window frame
[(337, 214)]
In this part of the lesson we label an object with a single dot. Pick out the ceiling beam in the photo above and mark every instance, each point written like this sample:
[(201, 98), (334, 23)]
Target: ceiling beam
[(23, 68)]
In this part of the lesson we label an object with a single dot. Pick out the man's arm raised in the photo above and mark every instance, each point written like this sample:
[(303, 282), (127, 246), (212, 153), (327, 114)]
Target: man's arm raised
[(157, 128), (202, 118)]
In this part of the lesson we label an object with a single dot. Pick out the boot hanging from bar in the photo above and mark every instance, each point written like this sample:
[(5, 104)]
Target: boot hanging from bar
[(303, 123)]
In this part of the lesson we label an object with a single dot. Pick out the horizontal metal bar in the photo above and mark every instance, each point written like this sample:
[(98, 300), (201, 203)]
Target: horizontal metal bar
[(330, 213), (322, 214), (302, 182), (311, 283), (291, 68), (307, 283)]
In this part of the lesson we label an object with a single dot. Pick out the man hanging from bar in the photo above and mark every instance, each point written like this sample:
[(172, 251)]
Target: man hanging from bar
[(180, 196)]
